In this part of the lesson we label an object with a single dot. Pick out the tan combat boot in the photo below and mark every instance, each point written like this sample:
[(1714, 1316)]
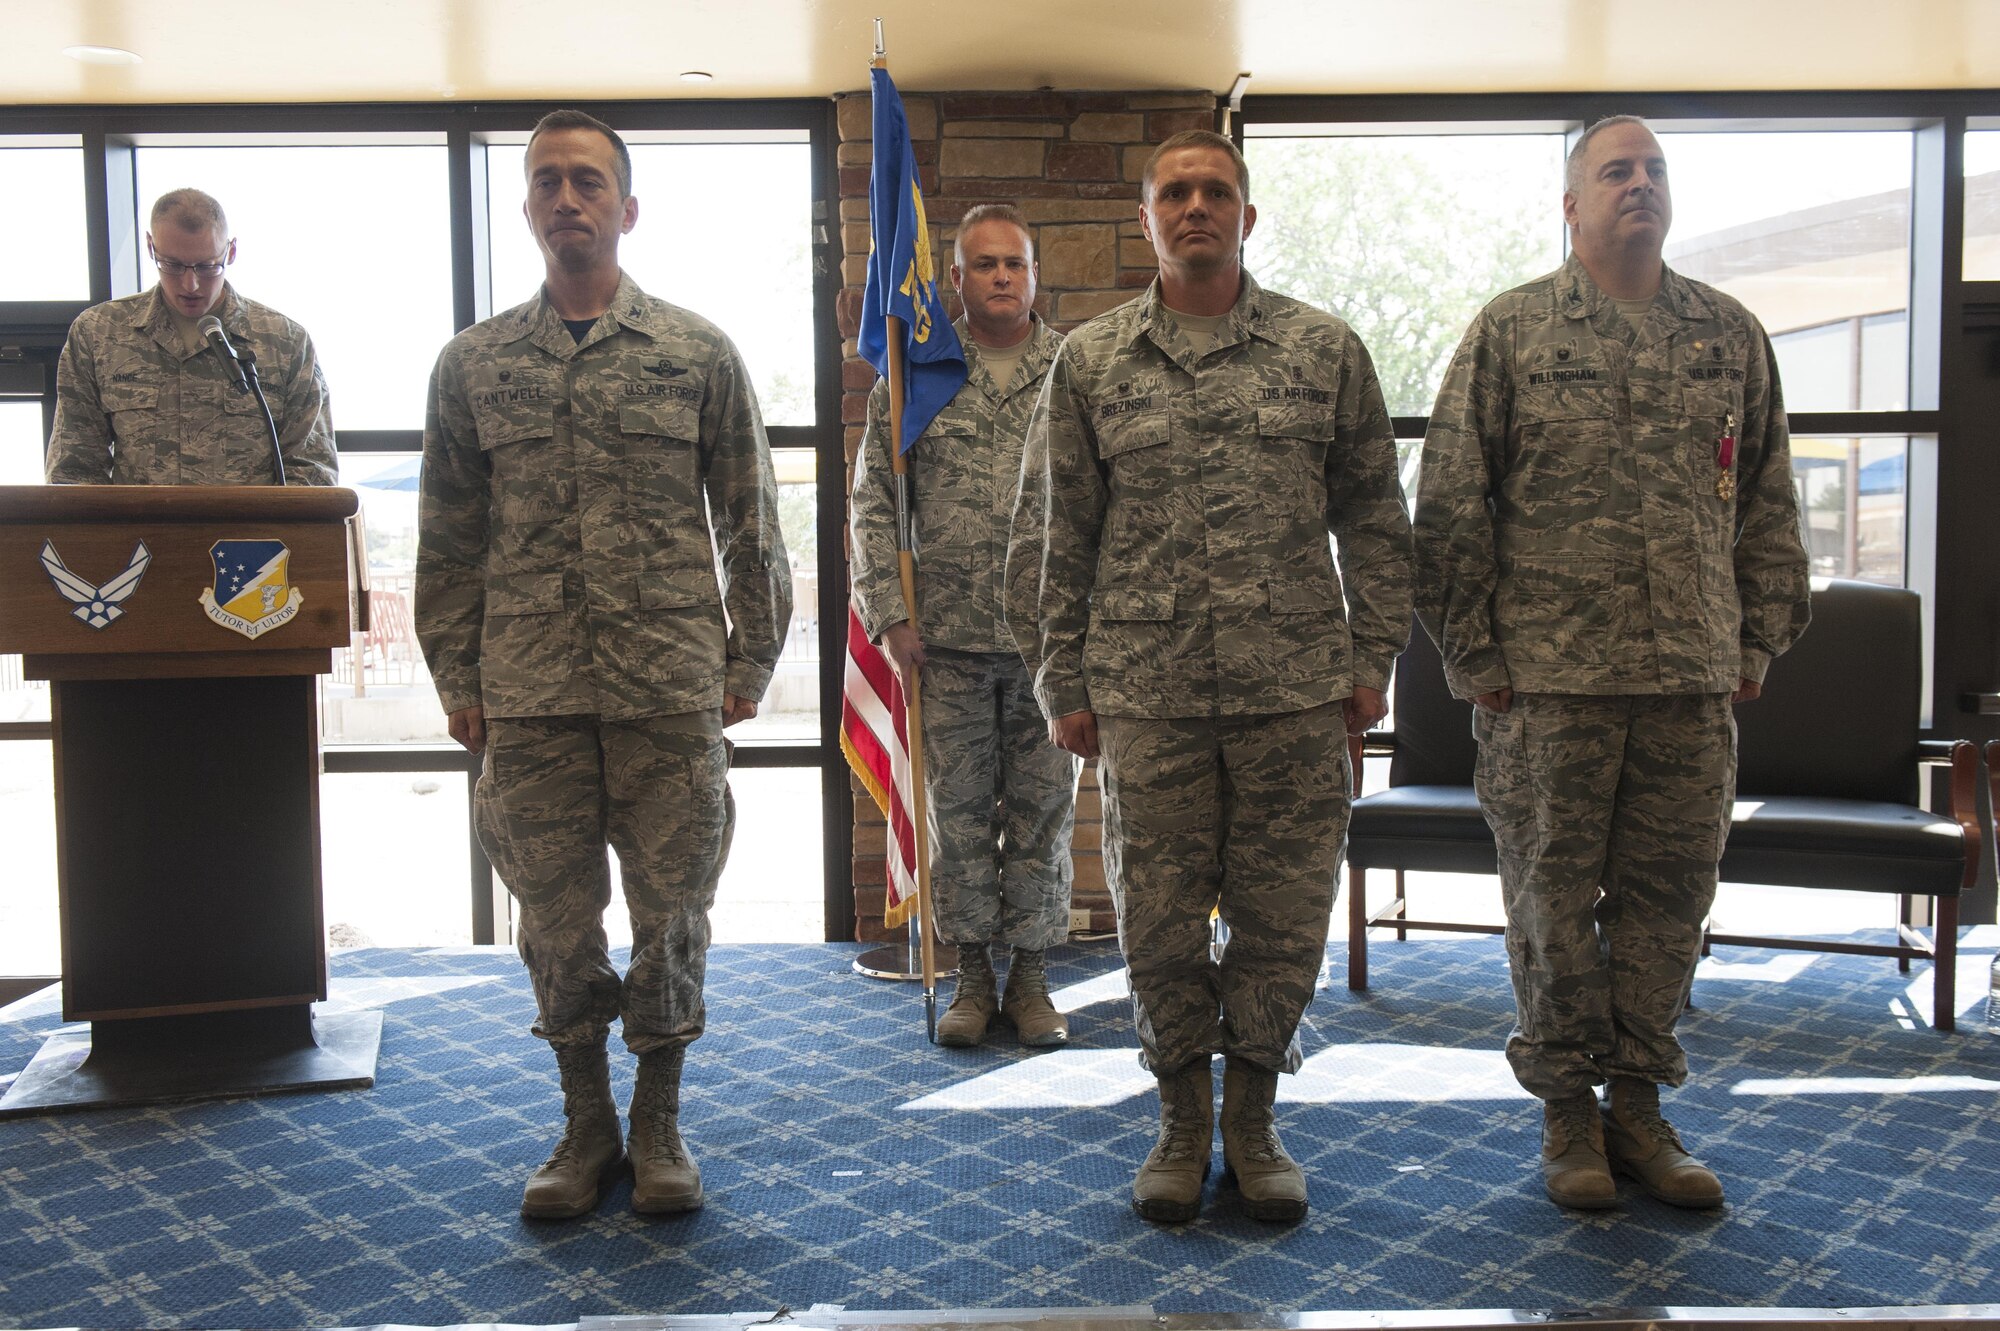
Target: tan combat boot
[(1574, 1172), (1168, 1185), (665, 1178), (974, 1002), (1027, 1005), (1271, 1182), (589, 1155), (1641, 1145)]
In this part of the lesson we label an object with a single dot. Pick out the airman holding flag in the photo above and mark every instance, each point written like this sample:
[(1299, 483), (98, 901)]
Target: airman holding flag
[(1000, 797), (905, 335)]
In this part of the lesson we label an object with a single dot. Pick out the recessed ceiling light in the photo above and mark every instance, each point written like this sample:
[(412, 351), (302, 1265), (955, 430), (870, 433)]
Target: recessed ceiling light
[(101, 55), (696, 76)]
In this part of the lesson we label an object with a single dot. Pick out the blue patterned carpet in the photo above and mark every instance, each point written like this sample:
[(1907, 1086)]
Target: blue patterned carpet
[(847, 1162)]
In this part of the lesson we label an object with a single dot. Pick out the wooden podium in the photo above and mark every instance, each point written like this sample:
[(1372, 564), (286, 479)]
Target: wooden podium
[(180, 628)]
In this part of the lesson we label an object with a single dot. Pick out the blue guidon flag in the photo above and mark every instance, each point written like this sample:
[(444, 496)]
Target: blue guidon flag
[(250, 593), (902, 274)]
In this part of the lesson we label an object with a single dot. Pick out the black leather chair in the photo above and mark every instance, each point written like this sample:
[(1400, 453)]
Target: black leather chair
[(1827, 785), (1428, 819), (1828, 771)]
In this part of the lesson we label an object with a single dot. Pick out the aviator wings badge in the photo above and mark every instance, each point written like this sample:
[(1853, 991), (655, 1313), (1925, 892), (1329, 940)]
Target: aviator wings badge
[(94, 605), (252, 593)]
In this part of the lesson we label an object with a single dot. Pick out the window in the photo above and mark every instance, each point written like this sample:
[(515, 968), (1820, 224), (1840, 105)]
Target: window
[(1853, 498), (20, 464), (380, 691), (724, 230), (790, 710), (1404, 236), (1862, 364), (1982, 206), (45, 242), (1811, 230), (388, 878), (30, 935), (352, 243), (379, 301)]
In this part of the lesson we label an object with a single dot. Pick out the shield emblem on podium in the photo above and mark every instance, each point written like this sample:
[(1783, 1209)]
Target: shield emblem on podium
[(250, 593)]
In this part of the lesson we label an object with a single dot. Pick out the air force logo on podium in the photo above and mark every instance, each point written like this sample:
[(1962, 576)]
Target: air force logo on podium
[(250, 594), (96, 606)]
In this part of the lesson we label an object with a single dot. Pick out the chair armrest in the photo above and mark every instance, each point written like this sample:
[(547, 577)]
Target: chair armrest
[(1937, 752), (1993, 777), (1965, 805)]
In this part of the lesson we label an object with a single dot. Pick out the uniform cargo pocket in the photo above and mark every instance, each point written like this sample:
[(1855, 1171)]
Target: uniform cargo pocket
[(678, 632), (526, 642), (1571, 610), (1297, 596), (677, 589), (525, 594), (1134, 603)]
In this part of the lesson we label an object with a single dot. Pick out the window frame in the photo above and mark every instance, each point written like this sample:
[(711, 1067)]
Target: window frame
[(32, 333)]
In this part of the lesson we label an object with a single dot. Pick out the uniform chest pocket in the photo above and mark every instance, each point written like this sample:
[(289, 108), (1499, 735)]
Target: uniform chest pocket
[(1133, 449), (1563, 465), (1712, 402), (1713, 412), (129, 397), (530, 483), (660, 443), (1550, 403), (526, 424), (245, 404), (665, 420), (1126, 434), (1292, 449), (948, 461)]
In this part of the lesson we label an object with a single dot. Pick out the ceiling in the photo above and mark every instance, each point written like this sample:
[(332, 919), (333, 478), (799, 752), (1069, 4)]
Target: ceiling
[(424, 50)]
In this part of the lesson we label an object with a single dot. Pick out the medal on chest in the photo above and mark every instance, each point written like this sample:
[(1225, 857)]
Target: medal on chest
[(1725, 460)]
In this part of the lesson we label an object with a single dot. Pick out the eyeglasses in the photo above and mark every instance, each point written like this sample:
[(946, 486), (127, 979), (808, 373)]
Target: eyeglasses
[(204, 271)]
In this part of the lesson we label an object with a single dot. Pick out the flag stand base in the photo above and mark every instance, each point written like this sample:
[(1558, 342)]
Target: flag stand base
[(890, 962)]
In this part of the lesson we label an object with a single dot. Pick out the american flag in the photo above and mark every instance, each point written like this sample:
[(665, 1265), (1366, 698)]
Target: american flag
[(876, 741)]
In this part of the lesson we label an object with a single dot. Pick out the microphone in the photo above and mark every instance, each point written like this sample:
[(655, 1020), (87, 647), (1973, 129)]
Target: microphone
[(243, 370), (211, 328)]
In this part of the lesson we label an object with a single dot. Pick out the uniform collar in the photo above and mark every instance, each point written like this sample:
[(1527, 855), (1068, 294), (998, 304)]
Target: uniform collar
[(1579, 297), (629, 308), (153, 317), (1042, 344), (1249, 317)]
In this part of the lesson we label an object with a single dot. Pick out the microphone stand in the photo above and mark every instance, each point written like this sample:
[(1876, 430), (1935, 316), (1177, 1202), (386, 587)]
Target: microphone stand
[(248, 358)]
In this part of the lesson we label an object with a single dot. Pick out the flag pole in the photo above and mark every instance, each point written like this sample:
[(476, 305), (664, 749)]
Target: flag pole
[(906, 566)]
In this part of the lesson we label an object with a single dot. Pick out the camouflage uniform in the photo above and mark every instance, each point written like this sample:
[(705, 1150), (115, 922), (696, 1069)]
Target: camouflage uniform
[(135, 407), (565, 582), (1576, 543), (1170, 571), (1001, 798)]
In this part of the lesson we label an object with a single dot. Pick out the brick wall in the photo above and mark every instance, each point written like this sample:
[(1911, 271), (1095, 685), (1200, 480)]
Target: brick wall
[(1072, 162)]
